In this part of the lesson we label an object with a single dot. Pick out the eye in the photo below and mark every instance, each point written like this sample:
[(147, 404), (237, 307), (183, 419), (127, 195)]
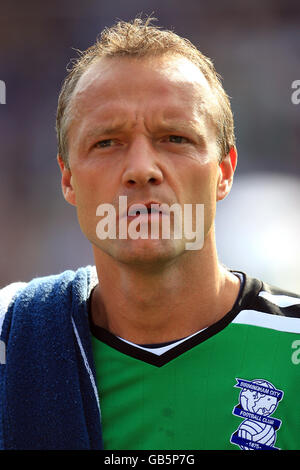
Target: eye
[(104, 143), (178, 139)]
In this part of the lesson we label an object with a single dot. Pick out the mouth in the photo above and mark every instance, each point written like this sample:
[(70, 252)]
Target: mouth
[(148, 209)]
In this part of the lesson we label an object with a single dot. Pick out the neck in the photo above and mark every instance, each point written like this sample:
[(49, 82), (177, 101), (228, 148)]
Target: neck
[(146, 306)]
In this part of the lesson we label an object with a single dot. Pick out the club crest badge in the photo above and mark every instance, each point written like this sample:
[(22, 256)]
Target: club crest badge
[(258, 400)]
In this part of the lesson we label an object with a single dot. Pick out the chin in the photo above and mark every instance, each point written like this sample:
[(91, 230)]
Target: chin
[(147, 253)]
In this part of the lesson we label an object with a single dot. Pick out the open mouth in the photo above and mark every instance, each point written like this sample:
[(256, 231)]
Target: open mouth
[(149, 208)]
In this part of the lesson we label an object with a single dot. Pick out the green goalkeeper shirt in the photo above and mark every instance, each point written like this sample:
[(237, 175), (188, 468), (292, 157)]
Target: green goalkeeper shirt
[(233, 385)]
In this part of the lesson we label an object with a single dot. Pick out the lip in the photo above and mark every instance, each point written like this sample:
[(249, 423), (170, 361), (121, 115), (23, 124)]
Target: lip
[(137, 209), (140, 206)]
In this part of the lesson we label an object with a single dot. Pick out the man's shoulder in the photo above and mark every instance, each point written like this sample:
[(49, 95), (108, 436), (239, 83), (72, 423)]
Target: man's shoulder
[(44, 289), (39, 285), (7, 296), (260, 296), (273, 299)]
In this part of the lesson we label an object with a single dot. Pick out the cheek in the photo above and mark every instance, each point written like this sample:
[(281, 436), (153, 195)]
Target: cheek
[(87, 187), (84, 195), (87, 201), (202, 190), (94, 179), (201, 186)]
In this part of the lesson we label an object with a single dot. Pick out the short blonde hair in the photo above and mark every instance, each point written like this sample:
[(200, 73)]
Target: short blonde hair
[(141, 40)]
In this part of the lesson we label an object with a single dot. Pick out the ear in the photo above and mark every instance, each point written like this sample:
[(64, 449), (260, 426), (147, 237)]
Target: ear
[(226, 171), (66, 182)]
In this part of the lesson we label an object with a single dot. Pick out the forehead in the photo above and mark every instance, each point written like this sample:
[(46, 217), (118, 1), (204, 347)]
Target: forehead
[(168, 84)]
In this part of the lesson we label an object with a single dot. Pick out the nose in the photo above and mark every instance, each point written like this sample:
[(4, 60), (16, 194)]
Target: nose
[(141, 164)]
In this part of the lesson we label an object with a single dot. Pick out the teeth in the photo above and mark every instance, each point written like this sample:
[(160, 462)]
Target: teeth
[(140, 209), (143, 210), (137, 210)]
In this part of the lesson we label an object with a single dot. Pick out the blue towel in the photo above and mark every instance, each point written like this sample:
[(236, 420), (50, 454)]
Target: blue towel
[(48, 395)]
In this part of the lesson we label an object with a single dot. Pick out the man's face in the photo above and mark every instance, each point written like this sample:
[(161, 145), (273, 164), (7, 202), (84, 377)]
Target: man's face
[(142, 128)]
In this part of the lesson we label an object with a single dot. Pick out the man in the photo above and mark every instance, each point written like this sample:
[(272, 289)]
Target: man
[(174, 349)]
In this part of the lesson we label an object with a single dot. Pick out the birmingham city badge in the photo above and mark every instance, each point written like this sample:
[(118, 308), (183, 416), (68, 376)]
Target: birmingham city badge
[(258, 401)]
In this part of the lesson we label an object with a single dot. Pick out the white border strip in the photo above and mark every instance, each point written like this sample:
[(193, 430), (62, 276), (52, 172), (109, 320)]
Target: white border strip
[(280, 300), (268, 320), (86, 364), (163, 349)]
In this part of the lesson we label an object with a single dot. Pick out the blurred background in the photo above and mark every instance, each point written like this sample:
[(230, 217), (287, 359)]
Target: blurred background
[(255, 46)]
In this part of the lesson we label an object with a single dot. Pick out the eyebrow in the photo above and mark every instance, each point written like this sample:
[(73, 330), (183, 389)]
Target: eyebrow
[(194, 129), (104, 130), (176, 125), (168, 125)]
